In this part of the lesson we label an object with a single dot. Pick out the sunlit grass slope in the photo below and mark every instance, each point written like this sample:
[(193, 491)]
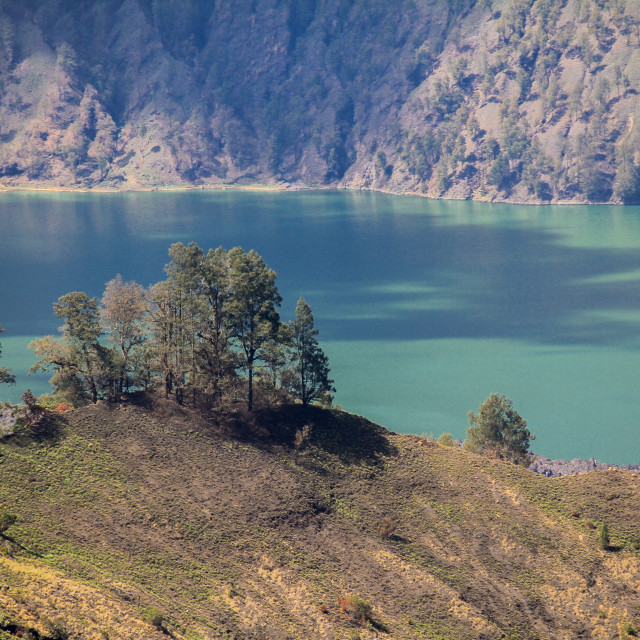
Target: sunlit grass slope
[(220, 527)]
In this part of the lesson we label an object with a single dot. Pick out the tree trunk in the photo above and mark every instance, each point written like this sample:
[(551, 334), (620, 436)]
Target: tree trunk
[(94, 391), (168, 383)]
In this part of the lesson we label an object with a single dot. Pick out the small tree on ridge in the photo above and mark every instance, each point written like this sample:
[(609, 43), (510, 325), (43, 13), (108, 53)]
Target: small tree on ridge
[(499, 430)]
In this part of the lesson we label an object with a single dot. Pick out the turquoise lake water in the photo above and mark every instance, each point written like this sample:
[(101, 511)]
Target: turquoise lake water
[(424, 307)]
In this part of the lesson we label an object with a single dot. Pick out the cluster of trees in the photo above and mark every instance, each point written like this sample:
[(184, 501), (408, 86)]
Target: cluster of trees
[(211, 330)]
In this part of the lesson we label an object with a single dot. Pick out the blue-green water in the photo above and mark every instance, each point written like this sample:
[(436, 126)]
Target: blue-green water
[(424, 307)]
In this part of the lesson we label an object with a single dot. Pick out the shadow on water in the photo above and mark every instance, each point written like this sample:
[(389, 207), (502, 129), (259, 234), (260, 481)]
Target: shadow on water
[(373, 266), (490, 282)]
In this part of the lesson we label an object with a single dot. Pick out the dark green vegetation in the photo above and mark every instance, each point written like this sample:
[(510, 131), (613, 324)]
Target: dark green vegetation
[(498, 430), (604, 536), (6, 520), (523, 100), (214, 318), (145, 517)]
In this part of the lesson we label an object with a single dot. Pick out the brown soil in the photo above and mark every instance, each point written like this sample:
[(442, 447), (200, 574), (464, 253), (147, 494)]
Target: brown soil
[(223, 526)]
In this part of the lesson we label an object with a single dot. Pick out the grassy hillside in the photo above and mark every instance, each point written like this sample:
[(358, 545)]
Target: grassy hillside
[(227, 530), (519, 100)]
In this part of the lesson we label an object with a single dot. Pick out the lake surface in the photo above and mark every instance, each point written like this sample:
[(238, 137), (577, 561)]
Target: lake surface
[(424, 307)]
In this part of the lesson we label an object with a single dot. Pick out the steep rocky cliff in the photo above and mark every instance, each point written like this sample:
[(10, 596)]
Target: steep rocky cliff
[(524, 100)]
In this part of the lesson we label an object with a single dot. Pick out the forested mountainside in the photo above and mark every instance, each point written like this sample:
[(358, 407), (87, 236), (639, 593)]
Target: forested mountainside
[(521, 100)]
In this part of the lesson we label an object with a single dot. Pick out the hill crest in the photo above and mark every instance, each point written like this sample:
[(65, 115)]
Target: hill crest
[(224, 527)]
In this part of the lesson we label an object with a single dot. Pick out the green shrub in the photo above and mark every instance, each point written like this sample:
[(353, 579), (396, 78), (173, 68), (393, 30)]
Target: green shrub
[(154, 617), (357, 609), (603, 536), (446, 440), (471, 447), (56, 629), (57, 403), (6, 520)]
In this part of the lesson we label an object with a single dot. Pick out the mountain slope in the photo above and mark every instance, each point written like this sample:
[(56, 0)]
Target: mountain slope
[(224, 527), (521, 100), (202, 91), (535, 103)]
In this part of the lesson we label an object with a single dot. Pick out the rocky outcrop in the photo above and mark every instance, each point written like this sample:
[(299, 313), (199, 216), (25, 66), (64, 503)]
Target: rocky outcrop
[(556, 468)]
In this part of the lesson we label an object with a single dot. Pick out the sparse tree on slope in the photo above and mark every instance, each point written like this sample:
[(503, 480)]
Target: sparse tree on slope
[(312, 365), (498, 430), (499, 171)]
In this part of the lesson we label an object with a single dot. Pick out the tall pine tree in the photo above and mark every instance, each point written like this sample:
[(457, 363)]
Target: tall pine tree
[(253, 318), (312, 365)]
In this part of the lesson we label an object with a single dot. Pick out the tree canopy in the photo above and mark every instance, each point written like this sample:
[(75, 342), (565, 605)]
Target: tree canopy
[(497, 429), (123, 310), (83, 365), (253, 319)]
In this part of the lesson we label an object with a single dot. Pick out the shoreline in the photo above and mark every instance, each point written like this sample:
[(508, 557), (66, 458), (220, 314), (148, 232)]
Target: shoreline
[(558, 468), (286, 186), (151, 189)]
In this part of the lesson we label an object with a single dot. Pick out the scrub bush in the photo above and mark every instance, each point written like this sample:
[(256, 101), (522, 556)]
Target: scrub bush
[(6, 520), (357, 609), (387, 527), (154, 617), (446, 440), (603, 536)]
